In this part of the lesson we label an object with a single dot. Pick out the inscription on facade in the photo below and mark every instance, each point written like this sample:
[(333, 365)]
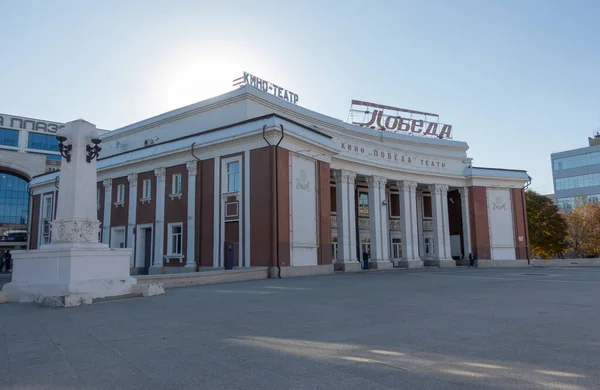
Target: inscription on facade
[(15, 122), (393, 156)]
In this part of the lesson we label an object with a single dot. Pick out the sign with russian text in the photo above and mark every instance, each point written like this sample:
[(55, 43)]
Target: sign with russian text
[(388, 118), (18, 123), (266, 86), (395, 157)]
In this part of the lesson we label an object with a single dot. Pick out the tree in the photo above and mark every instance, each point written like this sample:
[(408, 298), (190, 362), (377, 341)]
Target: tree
[(547, 228), (584, 229)]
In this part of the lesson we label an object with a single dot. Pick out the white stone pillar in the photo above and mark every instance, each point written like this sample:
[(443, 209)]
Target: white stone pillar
[(190, 260), (131, 213), (419, 236), (466, 223), (346, 221), (441, 227), (408, 219), (378, 223), (107, 207), (159, 224)]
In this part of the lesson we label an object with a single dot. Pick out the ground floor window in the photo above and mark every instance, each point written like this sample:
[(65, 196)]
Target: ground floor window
[(117, 237), (396, 248), (429, 251), (334, 248), (175, 239)]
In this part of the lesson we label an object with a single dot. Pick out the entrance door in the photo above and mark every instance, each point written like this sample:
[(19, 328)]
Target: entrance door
[(147, 250), (232, 236)]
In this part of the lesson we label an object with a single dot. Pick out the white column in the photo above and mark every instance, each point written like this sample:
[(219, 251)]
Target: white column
[(379, 234), (131, 213), (408, 218), (466, 223), (23, 141), (190, 260), (159, 224), (419, 236), (107, 206), (346, 220), (441, 227), (246, 210)]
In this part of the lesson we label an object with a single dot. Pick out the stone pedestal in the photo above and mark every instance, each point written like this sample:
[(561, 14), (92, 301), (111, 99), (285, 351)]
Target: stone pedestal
[(380, 265), (439, 263), (409, 264), (74, 268), (350, 266)]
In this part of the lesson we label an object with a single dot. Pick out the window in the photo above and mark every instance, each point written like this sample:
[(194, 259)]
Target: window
[(42, 142), (582, 160), (429, 246), (117, 238), (14, 203), (175, 239), (567, 183), (570, 203), (176, 184), (396, 248), (363, 202), (9, 137), (47, 206), (233, 176), (334, 247), (427, 210), (121, 193), (394, 205), (146, 189)]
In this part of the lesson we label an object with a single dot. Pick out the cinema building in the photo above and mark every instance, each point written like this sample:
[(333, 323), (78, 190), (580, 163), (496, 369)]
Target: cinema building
[(251, 179)]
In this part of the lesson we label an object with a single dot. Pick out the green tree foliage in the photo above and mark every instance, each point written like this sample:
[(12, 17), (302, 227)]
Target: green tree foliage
[(547, 228), (584, 229)]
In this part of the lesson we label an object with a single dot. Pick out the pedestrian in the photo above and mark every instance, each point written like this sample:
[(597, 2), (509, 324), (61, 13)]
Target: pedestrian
[(8, 261), (471, 259), (365, 256)]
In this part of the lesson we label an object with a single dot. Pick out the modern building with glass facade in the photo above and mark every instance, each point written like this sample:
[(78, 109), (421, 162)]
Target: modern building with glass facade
[(576, 175), (28, 147)]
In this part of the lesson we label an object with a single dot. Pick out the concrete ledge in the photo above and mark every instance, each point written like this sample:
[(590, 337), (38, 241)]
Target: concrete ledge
[(500, 263), (205, 277), (73, 300), (354, 266), (148, 290), (380, 265), (309, 270), (409, 264), (566, 263), (171, 270), (439, 263)]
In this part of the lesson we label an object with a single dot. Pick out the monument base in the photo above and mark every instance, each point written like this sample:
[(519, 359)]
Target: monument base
[(69, 269)]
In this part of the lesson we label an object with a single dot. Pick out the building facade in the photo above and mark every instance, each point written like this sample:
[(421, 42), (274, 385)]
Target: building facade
[(254, 180), (576, 175)]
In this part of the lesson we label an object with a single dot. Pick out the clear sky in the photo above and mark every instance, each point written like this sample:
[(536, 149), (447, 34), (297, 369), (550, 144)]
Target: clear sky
[(518, 80)]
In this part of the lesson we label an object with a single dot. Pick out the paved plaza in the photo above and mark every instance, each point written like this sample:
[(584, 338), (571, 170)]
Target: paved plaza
[(415, 329)]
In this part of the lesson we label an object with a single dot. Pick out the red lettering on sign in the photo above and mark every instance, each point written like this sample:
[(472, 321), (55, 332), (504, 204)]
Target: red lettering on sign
[(379, 120), (356, 148), (446, 130), (443, 165), (409, 161), (431, 129), (393, 125), (396, 156), (403, 125), (417, 126), (362, 150)]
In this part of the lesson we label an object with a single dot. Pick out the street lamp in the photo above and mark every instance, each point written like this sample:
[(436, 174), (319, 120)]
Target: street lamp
[(65, 150), (92, 151)]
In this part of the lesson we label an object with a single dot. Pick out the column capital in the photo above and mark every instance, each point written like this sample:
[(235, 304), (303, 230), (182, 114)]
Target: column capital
[(192, 167), (376, 181), (439, 188), (160, 174), (463, 191), (132, 178), (407, 185), (107, 184), (343, 176)]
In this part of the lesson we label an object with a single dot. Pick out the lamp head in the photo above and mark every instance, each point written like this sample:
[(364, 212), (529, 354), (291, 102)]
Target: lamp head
[(95, 137)]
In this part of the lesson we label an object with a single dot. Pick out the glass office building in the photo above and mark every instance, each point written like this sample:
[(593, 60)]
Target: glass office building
[(576, 175)]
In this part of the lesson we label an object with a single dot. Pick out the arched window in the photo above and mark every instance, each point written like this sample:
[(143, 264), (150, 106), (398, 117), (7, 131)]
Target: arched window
[(14, 206)]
